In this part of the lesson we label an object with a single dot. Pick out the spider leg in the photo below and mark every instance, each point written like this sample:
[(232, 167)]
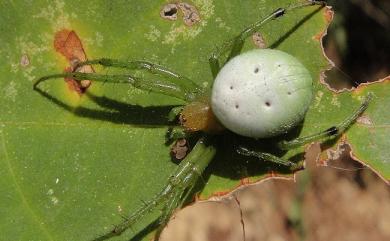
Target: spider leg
[(235, 44), (172, 115), (178, 198), (157, 86), (176, 133), (153, 68), (177, 189), (330, 132), (269, 157)]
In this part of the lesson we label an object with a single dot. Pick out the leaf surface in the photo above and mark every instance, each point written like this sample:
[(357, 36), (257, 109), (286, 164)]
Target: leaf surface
[(69, 173)]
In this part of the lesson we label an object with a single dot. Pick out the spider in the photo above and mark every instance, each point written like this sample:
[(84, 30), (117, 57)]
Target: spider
[(259, 94)]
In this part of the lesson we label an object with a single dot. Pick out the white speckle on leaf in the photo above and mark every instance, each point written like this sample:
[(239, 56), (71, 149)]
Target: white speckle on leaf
[(10, 91), (154, 34), (55, 14), (185, 32), (222, 24), (335, 101), (57, 180), (318, 98), (14, 68), (28, 49), (97, 40), (206, 8), (50, 192), (54, 200)]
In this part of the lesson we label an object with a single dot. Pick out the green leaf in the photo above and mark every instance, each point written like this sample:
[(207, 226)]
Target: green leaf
[(70, 173)]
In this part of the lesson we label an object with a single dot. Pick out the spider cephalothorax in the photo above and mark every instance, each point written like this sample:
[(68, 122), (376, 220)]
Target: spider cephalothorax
[(259, 94), (199, 116)]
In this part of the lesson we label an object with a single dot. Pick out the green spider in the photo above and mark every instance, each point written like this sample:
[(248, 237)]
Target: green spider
[(258, 94)]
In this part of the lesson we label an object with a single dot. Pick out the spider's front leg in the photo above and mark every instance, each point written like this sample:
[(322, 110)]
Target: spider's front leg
[(172, 83), (157, 86), (153, 68), (235, 44), (179, 186)]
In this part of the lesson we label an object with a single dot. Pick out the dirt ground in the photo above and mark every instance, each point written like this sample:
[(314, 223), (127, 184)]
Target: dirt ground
[(343, 201)]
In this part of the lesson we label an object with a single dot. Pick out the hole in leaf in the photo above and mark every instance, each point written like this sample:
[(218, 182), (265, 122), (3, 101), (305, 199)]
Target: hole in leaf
[(169, 11)]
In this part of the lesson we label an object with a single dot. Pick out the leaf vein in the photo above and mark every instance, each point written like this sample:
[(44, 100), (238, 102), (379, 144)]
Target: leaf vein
[(20, 192)]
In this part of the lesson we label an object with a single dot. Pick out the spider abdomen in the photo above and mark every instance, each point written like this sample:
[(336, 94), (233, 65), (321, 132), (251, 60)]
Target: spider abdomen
[(261, 93)]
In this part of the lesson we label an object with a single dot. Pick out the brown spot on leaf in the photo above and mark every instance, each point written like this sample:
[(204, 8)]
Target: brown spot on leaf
[(68, 44), (364, 119), (24, 60), (179, 149), (190, 13), (258, 40)]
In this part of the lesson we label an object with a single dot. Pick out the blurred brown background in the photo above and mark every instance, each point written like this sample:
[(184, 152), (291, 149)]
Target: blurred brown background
[(358, 41), (344, 201)]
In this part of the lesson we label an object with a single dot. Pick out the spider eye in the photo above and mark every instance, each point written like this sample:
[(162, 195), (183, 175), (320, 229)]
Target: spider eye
[(266, 105)]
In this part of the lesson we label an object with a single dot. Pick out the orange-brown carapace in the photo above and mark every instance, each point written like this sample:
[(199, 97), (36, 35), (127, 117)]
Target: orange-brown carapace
[(198, 116)]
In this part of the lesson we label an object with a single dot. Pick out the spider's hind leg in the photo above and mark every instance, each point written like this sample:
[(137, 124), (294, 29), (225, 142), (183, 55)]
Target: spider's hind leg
[(270, 158), (330, 132)]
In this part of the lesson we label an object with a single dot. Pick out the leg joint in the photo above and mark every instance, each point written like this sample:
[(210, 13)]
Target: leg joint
[(213, 57), (318, 2), (332, 131), (278, 13)]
